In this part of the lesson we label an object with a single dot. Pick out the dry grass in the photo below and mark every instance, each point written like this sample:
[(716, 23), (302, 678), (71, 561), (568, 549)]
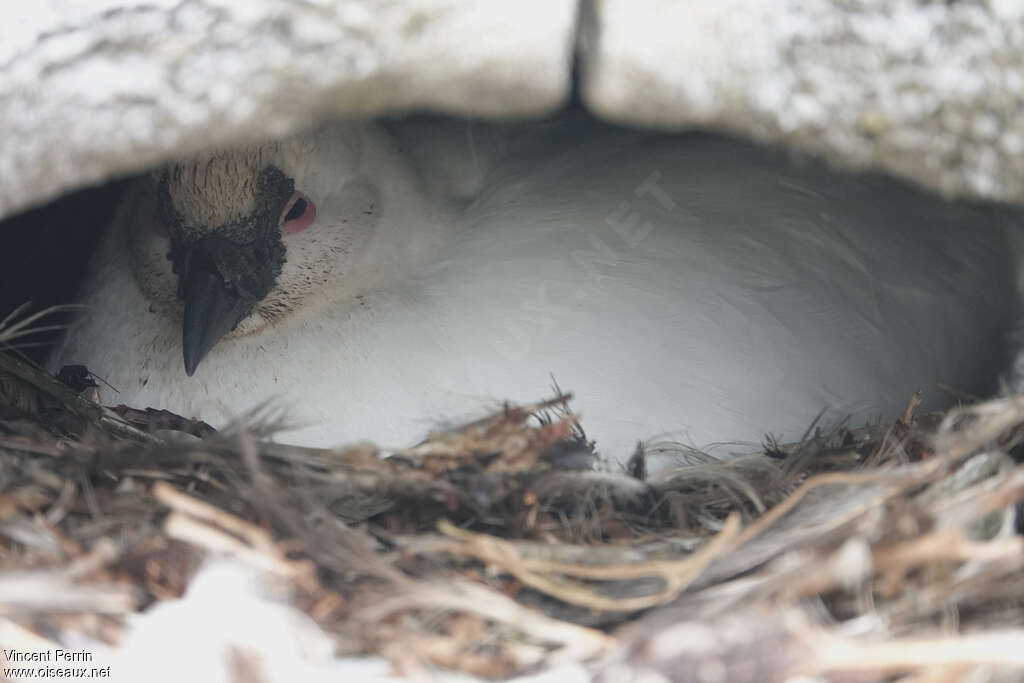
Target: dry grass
[(888, 551)]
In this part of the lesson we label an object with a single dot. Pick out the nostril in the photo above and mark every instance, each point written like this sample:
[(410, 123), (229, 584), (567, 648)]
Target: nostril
[(298, 214), (160, 228)]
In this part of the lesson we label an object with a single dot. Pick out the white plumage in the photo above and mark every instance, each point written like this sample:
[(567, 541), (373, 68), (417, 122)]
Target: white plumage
[(685, 287)]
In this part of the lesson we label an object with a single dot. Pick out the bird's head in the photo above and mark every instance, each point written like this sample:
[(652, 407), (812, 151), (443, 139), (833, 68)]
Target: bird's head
[(242, 236)]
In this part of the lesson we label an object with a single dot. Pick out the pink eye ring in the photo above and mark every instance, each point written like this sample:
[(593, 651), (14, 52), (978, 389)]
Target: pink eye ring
[(298, 214)]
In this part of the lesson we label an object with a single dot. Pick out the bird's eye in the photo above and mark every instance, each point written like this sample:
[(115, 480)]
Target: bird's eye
[(298, 214)]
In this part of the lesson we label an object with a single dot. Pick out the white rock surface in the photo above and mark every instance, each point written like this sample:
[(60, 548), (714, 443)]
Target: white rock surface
[(94, 88), (929, 91)]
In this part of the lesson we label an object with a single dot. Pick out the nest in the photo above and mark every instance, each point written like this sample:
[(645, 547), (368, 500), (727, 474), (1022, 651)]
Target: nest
[(499, 549)]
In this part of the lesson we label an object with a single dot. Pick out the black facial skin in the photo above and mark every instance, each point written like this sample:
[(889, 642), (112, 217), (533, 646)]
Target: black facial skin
[(224, 271)]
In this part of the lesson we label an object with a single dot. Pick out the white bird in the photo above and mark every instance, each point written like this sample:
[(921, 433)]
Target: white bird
[(378, 281)]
